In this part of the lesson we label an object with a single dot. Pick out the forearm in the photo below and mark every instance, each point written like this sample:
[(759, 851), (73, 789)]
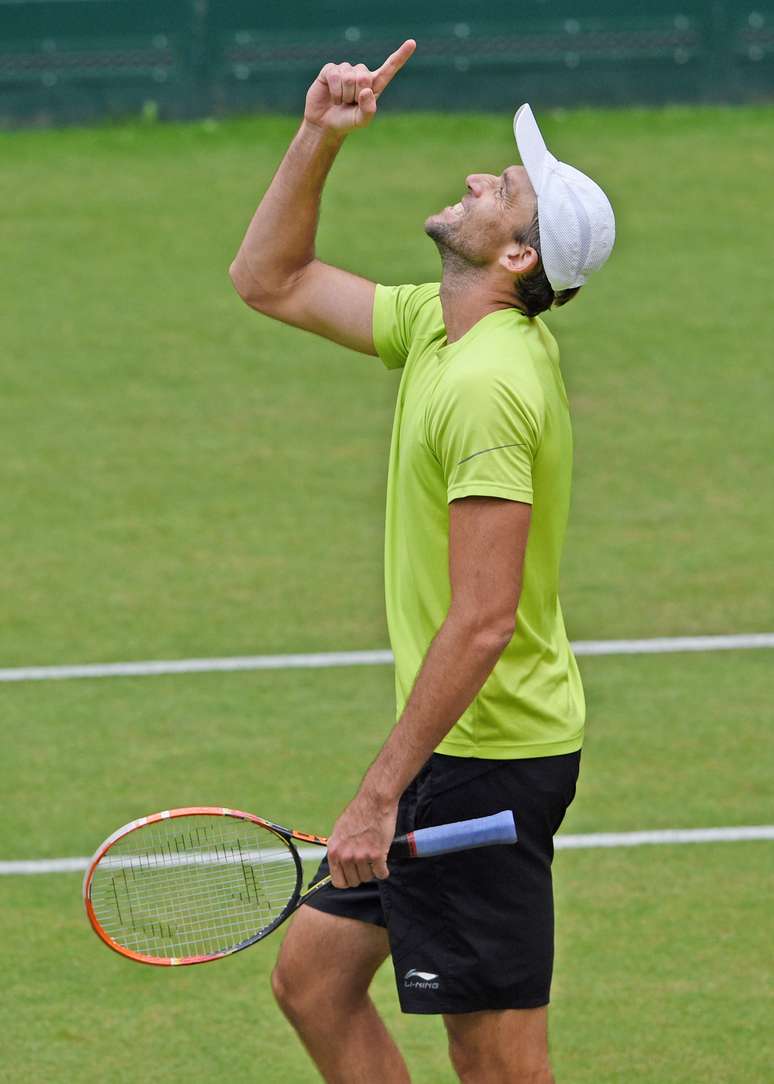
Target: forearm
[(279, 241), (456, 666)]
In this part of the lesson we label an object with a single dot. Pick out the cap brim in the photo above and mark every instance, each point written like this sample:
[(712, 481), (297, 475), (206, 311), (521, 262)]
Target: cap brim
[(534, 153)]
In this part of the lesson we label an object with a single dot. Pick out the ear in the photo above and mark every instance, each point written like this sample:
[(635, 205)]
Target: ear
[(517, 259)]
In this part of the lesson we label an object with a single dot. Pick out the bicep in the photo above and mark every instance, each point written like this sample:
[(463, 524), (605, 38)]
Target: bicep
[(327, 301), (487, 542)]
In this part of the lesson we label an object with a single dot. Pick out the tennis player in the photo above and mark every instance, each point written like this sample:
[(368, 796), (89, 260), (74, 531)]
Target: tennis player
[(490, 703)]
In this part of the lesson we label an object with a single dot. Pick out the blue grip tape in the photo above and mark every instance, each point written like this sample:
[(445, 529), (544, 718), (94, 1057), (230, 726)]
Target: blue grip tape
[(465, 835)]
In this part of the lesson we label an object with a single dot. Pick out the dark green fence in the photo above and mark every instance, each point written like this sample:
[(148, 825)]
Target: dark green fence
[(76, 60)]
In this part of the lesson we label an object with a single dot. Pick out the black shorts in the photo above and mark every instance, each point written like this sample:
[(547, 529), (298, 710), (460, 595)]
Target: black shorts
[(474, 930)]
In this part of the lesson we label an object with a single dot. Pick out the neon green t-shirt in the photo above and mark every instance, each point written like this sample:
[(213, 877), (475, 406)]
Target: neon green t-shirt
[(486, 415)]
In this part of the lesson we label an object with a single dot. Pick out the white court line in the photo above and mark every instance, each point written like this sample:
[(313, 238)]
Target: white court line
[(562, 842), (196, 666), (665, 644), (657, 646), (666, 835)]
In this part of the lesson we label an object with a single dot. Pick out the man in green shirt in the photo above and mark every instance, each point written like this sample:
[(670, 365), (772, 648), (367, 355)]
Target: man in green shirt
[(489, 699)]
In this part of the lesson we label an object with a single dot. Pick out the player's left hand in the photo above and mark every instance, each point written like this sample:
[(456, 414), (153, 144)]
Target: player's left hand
[(358, 844)]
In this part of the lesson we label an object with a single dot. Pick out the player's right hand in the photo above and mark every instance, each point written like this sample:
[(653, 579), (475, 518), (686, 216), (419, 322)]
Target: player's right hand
[(344, 96)]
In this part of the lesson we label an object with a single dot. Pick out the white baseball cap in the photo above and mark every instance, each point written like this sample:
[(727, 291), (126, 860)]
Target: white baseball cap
[(577, 225)]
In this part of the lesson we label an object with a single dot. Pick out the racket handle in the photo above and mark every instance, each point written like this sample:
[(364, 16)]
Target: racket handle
[(460, 836)]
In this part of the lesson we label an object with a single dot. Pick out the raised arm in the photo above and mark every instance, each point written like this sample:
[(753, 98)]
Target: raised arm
[(275, 270)]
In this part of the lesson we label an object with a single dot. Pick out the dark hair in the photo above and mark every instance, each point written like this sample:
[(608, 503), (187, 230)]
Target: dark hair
[(534, 293)]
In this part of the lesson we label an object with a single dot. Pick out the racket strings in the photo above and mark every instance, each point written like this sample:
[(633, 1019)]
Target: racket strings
[(192, 886)]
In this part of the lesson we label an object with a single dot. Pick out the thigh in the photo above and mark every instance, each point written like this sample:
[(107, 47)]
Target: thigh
[(331, 952), (363, 903), (500, 1044)]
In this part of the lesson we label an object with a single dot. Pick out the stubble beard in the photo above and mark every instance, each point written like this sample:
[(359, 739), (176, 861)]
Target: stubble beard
[(457, 261)]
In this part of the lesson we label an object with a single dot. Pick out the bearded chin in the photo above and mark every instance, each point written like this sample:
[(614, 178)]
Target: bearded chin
[(455, 254)]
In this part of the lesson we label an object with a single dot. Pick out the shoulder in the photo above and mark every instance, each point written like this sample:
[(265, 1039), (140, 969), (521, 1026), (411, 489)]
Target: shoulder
[(400, 314), (521, 347), (409, 302), (542, 331), (505, 365), (500, 383)]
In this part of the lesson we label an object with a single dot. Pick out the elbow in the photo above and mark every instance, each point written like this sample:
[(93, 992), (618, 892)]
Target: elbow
[(268, 294), (493, 637), (244, 284), (488, 633)]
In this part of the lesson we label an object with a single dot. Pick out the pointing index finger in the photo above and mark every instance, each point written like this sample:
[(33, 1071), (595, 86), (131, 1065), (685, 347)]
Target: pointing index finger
[(392, 65)]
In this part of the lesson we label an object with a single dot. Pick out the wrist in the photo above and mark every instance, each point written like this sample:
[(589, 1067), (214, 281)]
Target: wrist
[(321, 135), (379, 792)]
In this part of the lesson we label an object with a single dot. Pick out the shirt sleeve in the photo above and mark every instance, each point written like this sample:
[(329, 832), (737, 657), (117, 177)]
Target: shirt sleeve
[(485, 435), (395, 315)]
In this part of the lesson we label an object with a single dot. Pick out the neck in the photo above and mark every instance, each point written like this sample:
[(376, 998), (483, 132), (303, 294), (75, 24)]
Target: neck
[(467, 296)]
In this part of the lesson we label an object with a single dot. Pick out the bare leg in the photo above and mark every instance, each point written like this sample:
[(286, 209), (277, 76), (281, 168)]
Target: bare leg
[(509, 1047), (321, 981)]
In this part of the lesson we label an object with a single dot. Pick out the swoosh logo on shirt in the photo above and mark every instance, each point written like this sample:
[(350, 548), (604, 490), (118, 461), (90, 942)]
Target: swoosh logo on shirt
[(497, 447)]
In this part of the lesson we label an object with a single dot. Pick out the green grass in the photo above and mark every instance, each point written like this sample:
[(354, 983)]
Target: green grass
[(182, 477)]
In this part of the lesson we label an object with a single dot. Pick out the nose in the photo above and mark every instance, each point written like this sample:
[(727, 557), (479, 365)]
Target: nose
[(477, 183)]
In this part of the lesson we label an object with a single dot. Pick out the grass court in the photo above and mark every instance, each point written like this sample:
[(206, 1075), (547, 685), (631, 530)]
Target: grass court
[(182, 477)]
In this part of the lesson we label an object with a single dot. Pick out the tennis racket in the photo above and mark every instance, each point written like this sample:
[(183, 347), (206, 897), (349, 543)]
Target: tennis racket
[(191, 885)]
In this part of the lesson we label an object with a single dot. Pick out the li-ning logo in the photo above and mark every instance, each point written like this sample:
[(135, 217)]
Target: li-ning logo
[(420, 980)]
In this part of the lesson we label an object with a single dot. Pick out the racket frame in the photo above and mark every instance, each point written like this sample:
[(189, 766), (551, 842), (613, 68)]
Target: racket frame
[(286, 835), (485, 831)]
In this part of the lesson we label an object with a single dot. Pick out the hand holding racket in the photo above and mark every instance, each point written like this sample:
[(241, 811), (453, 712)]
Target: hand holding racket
[(196, 884)]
